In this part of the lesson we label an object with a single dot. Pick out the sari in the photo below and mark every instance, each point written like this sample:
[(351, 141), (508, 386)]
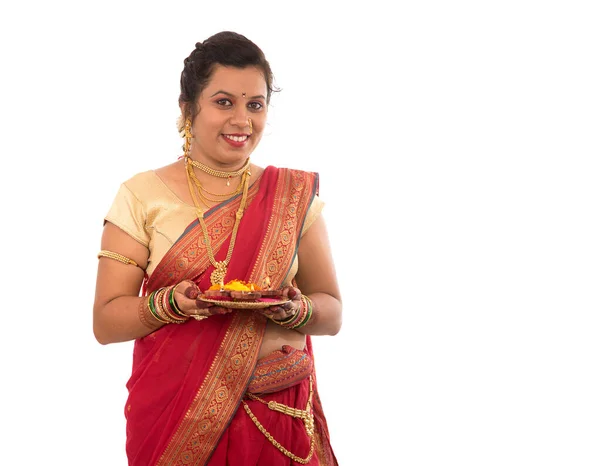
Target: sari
[(188, 380)]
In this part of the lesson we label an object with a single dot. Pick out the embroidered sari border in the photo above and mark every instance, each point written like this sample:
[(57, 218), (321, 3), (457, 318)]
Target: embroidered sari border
[(212, 408), (314, 192), (290, 204)]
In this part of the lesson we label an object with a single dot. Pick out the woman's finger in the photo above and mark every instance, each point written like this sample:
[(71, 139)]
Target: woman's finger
[(290, 292), (218, 310), (188, 289), (191, 292)]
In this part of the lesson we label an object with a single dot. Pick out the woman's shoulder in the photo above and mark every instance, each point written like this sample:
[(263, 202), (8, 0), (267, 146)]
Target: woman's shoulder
[(149, 181), (140, 179), (139, 184)]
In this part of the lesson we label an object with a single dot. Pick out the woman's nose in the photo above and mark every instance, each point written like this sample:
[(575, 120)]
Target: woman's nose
[(239, 117)]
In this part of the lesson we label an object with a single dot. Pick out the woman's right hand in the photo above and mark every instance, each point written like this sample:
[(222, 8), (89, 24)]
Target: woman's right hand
[(186, 296)]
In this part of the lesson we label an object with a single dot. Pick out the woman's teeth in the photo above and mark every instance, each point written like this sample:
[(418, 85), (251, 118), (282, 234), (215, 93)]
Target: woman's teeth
[(236, 138)]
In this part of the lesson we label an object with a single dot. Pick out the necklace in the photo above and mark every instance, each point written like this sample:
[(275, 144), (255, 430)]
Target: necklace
[(218, 275), (218, 173), (204, 194)]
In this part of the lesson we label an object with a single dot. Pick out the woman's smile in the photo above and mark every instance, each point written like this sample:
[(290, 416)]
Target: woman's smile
[(237, 139)]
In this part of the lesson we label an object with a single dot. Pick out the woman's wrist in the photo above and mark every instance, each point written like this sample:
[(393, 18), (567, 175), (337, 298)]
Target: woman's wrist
[(160, 308), (301, 317)]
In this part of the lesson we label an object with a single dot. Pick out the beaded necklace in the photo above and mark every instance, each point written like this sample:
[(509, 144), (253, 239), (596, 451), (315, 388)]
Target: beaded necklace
[(218, 173)]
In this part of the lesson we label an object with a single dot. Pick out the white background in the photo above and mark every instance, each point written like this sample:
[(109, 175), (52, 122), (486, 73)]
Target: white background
[(458, 147)]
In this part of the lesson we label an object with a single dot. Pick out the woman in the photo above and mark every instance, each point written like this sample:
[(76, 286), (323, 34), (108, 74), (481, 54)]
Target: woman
[(203, 376)]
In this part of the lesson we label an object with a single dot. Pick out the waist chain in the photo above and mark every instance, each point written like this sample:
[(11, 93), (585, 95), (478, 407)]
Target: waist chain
[(306, 415)]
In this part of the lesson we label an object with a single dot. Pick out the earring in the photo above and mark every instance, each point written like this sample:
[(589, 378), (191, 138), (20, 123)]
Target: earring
[(188, 137), (250, 123)]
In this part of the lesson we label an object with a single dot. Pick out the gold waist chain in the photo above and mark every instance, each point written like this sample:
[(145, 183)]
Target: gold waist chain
[(306, 415)]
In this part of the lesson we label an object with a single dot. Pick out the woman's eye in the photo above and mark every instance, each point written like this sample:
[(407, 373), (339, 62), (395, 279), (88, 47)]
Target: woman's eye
[(224, 102), (255, 105)]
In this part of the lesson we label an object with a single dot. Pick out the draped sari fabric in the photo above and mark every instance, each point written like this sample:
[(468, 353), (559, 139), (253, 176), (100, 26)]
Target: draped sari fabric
[(188, 380)]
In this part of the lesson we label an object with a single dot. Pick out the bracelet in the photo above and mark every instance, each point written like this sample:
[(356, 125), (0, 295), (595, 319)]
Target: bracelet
[(161, 309), (287, 320), (144, 313), (174, 305), (309, 311), (118, 257), (301, 317), (153, 308), (168, 309), (298, 317)]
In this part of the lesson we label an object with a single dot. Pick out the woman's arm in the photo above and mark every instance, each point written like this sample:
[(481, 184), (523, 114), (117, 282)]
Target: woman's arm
[(117, 306), (117, 289), (316, 278)]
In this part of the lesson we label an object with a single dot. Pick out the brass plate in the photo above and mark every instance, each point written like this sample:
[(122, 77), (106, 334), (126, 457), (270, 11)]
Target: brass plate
[(243, 304)]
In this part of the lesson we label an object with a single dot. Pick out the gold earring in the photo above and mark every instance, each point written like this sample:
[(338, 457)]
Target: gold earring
[(250, 123), (188, 137)]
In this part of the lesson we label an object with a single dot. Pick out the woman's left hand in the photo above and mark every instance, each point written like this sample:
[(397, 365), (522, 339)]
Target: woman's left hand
[(285, 310)]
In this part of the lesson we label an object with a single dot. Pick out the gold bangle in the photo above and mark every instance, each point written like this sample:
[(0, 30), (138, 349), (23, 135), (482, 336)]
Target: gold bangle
[(144, 313), (153, 310), (158, 305), (118, 257)]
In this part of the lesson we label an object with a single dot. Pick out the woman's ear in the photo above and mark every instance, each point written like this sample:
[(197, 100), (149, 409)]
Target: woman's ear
[(181, 119)]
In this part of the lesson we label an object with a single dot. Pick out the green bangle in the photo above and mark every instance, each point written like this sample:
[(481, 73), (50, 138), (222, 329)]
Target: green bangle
[(173, 304), (152, 308), (309, 312)]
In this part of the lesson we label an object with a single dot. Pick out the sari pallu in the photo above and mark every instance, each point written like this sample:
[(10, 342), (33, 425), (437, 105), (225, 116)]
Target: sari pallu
[(188, 380)]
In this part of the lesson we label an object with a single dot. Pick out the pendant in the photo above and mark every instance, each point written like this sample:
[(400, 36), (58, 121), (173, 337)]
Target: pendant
[(228, 178), (309, 424), (309, 419), (218, 275)]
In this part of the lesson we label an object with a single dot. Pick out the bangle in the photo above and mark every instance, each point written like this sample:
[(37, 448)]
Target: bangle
[(168, 310), (301, 317), (162, 310), (153, 309), (288, 320), (309, 311), (144, 313), (174, 305)]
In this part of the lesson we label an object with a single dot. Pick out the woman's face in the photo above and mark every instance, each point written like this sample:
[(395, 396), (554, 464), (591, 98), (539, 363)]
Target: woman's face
[(221, 129)]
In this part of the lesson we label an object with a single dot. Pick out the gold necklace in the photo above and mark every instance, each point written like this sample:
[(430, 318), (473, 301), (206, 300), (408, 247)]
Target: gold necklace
[(218, 275), (217, 198), (232, 193), (218, 173)]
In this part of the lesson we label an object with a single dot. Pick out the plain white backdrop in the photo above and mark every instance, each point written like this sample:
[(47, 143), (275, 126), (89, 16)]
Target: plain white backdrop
[(458, 147)]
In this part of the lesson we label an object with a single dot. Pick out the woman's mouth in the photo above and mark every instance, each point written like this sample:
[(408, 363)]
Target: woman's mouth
[(236, 140)]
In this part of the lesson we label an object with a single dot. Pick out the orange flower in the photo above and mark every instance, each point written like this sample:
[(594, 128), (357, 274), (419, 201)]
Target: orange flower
[(237, 285)]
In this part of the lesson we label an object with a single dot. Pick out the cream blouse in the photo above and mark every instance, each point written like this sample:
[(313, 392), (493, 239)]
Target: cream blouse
[(152, 214)]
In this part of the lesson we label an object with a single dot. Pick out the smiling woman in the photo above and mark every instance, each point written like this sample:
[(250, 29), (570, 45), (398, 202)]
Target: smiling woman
[(220, 384), (230, 124)]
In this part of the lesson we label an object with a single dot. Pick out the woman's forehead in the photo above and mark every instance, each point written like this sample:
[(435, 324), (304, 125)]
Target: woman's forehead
[(249, 80)]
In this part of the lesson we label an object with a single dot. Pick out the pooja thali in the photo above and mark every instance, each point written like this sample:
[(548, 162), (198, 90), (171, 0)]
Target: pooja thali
[(239, 304), (240, 295)]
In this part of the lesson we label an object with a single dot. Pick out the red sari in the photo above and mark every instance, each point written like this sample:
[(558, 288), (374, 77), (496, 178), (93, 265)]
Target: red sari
[(188, 381)]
